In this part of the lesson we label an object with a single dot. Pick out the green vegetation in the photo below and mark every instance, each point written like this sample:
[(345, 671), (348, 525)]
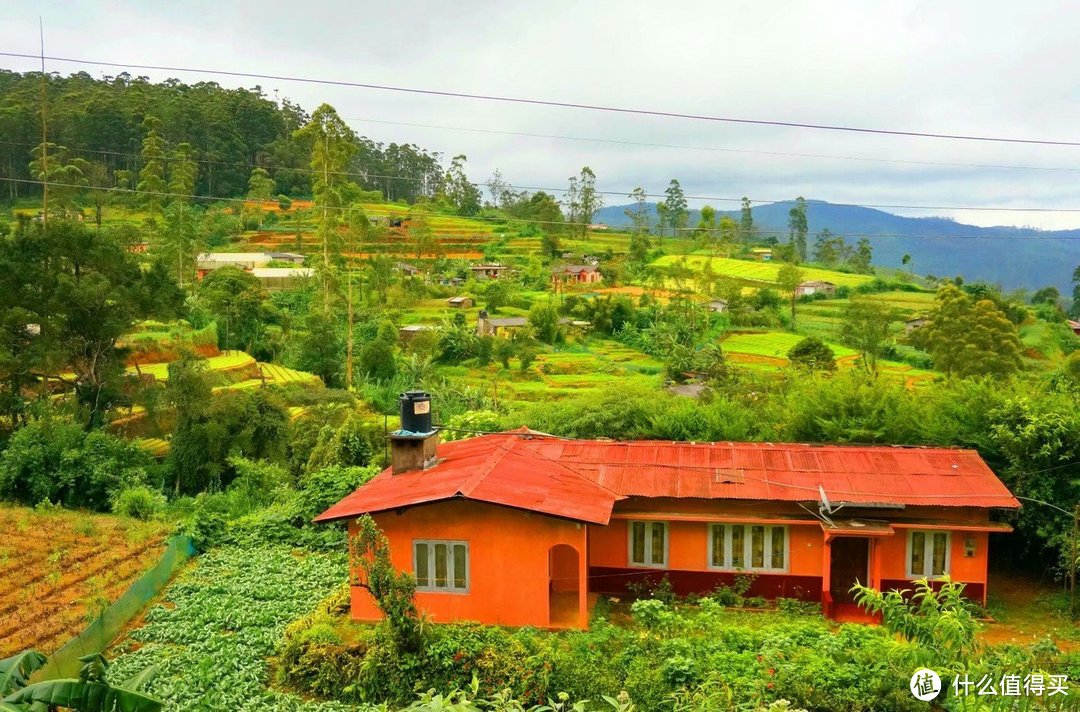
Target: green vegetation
[(133, 380), (694, 656), (89, 693), (233, 605), (758, 273)]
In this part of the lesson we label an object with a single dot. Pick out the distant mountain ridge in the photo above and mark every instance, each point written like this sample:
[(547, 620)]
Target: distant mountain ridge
[(938, 246)]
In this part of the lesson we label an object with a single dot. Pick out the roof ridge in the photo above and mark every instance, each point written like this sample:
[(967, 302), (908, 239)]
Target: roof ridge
[(572, 471), (471, 483)]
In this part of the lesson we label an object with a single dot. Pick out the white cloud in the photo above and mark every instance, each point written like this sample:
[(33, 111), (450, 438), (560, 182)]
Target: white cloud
[(991, 68)]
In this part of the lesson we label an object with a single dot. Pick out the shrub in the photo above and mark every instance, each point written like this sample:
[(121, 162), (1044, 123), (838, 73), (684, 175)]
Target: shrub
[(794, 606), (942, 620), (139, 502), (321, 488), (813, 354), (59, 461)]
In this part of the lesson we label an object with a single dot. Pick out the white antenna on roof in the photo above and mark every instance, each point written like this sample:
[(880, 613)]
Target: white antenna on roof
[(824, 507)]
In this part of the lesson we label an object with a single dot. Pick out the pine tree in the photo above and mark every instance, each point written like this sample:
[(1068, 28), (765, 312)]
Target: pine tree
[(678, 211), (798, 227), (746, 221), (333, 143), (152, 174)]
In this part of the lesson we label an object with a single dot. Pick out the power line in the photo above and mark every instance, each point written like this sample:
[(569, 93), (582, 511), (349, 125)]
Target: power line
[(552, 103), (648, 144), (482, 218), (620, 193)]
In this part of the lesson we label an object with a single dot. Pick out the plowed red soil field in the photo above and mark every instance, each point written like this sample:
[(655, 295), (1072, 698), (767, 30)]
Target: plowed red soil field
[(61, 569)]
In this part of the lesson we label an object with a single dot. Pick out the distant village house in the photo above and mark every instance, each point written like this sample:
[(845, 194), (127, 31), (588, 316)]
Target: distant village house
[(576, 274), (274, 278), (207, 262), (410, 332), (914, 323), (488, 271), (815, 286), (718, 306), (293, 257), (461, 302), (498, 326)]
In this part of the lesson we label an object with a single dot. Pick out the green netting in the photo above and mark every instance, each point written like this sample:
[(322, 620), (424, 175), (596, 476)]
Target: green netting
[(99, 634)]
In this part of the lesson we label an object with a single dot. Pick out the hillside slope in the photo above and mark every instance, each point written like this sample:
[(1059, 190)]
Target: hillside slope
[(937, 246)]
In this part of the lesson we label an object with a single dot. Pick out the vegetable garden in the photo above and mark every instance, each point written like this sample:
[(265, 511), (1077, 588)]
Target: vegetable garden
[(221, 620)]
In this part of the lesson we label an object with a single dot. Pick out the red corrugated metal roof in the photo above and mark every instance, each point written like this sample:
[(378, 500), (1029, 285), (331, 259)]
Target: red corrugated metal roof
[(582, 479), (490, 468)]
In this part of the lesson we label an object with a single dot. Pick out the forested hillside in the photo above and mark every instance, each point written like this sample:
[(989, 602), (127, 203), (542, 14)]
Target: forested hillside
[(104, 121)]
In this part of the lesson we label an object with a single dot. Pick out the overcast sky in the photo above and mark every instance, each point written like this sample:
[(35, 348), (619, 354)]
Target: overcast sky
[(983, 67)]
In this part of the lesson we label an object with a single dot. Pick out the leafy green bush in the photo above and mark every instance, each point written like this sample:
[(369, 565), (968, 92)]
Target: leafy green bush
[(139, 502), (59, 461), (692, 659)]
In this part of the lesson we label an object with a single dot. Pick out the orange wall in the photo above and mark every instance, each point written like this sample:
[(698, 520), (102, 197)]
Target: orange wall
[(509, 558), (688, 547), (688, 550), (963, 568)]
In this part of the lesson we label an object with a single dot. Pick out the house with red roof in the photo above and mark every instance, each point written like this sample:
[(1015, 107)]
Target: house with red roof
[(523, 528), (576, 274)]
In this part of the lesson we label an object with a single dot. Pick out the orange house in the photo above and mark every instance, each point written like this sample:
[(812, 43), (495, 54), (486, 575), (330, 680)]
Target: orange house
[(576, 274), (522, 528)]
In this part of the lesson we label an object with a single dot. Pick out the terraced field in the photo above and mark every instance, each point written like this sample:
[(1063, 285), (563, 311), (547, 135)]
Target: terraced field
[(64, 568), (557, 374), (768, 351), (231, 361), (822, 318), (762, 273), (273, 374)]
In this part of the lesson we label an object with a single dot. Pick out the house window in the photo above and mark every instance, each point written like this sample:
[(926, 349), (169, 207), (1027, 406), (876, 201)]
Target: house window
[(441, 565), (755, 547), (648, 544), (928, 554)]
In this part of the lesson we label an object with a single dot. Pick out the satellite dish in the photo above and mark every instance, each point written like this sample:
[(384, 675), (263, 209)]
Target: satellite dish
[(825, 506)]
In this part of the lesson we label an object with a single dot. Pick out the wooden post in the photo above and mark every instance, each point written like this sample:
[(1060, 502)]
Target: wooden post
[(826, 575), (1072, 562), (44, 138)]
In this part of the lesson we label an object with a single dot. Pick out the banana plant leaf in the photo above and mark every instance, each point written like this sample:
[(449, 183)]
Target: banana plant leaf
[(15, 671), (83, 696), (138, 682)]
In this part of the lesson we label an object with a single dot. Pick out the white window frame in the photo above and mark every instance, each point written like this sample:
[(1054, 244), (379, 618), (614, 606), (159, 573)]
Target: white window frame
[(649, 563), (450, 587), (928, 554), (747, 547)]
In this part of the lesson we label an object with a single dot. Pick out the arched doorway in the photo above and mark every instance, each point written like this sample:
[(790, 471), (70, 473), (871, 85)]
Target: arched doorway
[(564, 587)]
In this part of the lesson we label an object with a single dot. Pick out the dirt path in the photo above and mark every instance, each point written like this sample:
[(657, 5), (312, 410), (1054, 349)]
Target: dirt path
[(1025, 611)]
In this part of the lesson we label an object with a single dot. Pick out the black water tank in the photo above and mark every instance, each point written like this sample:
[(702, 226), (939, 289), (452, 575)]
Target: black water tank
[(415, 412)]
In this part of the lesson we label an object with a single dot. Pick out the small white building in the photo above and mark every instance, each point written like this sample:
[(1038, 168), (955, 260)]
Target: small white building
[(815, 286), (273, 278), (210, 261)]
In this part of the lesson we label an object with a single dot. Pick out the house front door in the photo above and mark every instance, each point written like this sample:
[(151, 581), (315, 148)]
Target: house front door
[(850, 563)]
